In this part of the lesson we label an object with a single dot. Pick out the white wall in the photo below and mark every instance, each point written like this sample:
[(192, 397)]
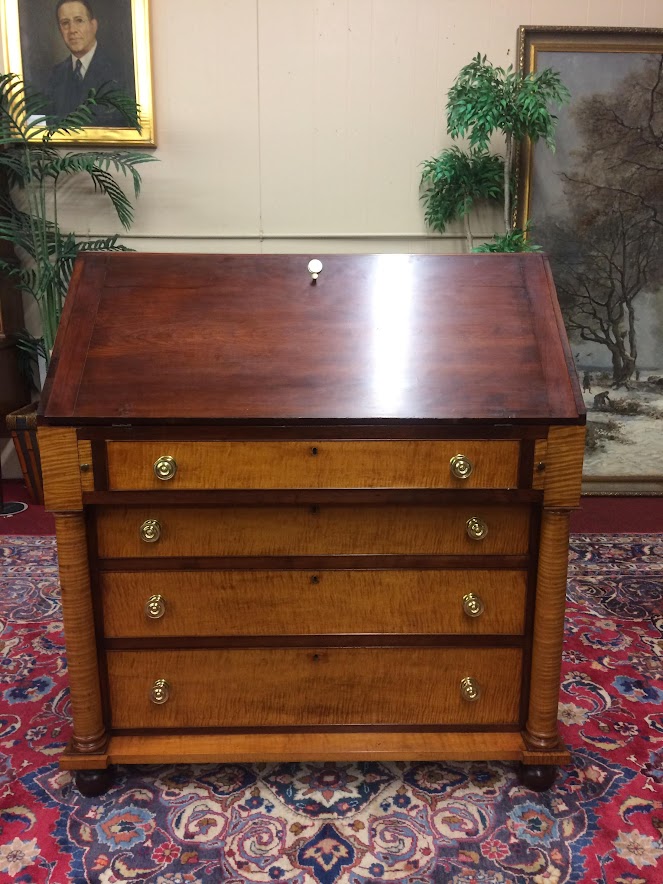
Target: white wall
[(300, 125), (285, 121)]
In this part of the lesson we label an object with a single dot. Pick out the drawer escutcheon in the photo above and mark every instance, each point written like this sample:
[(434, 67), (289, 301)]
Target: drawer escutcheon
[(160, 692), (469, 689), (150, 530), (165, 467), (155, 607), (461, 467), (476, 528), (473, 604)]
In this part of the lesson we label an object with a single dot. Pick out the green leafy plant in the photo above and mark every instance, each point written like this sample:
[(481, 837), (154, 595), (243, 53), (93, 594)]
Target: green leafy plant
[(484, 100), (35, 169), (514, 240), (454, 181)]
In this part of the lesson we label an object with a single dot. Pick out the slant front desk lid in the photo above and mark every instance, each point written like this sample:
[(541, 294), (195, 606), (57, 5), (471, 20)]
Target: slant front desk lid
[(180, 339)]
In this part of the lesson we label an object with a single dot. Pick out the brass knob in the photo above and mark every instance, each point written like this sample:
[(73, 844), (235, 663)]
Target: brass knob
[(469, 689), (155, 607), (476, 528), (460, 466), (160, 692), (165, 467), (472, 604), (150, 530)]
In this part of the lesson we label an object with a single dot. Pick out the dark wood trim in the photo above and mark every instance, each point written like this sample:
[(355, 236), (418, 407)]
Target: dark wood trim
[(358, 640), (99, 465), (313, 496), (323, 729), (532, 571), (478, 427), (316, 563), (250, 432), (97, 607), (526, 464)]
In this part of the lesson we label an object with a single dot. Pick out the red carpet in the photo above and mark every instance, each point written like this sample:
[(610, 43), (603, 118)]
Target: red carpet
[(33, 520), (410, 823)]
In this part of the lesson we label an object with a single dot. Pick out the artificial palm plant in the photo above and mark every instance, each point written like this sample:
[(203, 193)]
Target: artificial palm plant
[(483, 100), (35, 168)]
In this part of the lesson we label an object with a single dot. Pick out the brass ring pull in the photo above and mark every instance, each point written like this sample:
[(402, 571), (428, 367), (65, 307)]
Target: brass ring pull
[(155, 607), (165, 467), (160, 692), (460, 466), (469, 689), (150, 530), (473, 604), (476, 528)]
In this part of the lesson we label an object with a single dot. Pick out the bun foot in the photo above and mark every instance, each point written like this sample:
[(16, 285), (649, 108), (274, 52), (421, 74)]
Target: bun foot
[(93, 782), (537, 777)]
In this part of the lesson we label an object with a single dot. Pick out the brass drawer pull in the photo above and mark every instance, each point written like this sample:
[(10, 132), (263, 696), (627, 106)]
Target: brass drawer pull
[(473, 604), (150, 530), (476, 528), (461, 467), (469, 689), (155, 607), (160, 692), (165, 467)]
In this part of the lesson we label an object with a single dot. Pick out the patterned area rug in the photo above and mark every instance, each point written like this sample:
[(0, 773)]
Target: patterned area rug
[(417, 823)]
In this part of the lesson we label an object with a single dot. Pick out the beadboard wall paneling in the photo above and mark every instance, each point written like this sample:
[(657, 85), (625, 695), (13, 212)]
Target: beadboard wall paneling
[(281, 122)]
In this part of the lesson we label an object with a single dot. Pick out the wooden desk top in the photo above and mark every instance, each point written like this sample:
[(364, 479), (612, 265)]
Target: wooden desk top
[(224, 339)]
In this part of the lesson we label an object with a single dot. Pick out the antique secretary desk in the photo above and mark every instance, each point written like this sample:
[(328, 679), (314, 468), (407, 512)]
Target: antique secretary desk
[(312, 512)]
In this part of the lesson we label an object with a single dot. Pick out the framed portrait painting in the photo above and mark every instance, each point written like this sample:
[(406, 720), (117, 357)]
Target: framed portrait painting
[(63, 49), (595, 204)]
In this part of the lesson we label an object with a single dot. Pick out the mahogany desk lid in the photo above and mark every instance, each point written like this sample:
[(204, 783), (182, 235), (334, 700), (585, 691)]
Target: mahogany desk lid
[(182, 339)]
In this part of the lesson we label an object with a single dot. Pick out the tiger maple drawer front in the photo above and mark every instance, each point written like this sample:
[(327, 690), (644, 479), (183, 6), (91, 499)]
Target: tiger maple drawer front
[(305, 530), (302, 686), (312, 464), (151, 603)]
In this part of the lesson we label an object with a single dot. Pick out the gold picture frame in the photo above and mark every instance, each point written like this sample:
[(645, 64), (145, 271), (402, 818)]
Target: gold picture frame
[(596, 211), (33, 47)]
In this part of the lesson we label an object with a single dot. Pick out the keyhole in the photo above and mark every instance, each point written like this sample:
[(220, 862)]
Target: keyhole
[(315, 579), (314, 451)]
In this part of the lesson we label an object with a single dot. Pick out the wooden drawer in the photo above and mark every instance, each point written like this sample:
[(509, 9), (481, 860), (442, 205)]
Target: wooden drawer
[(307, 686), (305, 530), (311, 603), (312, 464)]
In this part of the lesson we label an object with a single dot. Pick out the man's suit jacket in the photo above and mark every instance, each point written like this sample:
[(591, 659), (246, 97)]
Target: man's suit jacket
[(65, 92)]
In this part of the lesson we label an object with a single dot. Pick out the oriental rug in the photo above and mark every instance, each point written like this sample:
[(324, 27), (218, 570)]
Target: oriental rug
[(350, 823)]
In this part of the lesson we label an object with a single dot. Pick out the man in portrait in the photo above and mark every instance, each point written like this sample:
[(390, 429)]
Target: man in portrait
[(88, 65)]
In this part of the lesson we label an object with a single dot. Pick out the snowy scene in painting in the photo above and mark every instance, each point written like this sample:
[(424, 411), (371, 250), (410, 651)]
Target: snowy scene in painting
[(597, 209)]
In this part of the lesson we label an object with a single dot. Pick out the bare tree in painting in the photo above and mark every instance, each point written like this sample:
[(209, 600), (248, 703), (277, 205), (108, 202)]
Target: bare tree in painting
[(609, 249)]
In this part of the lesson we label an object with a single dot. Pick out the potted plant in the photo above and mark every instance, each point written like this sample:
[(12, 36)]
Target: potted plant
[(35, 170), (483, 100)]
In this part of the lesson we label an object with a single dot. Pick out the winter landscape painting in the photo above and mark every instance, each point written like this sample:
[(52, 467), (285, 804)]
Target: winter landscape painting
[(596, 206)]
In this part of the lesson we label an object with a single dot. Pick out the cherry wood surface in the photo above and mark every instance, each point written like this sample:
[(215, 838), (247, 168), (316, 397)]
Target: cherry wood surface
[(298, 686), (263, 603), (206, 338)]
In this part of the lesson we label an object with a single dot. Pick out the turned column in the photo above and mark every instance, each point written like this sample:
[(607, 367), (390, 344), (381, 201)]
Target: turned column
[(63, 496), (541, 732), (562, 484)]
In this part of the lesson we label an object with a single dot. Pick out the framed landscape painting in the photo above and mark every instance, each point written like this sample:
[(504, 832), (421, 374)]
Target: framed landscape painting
[(596, 207)]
